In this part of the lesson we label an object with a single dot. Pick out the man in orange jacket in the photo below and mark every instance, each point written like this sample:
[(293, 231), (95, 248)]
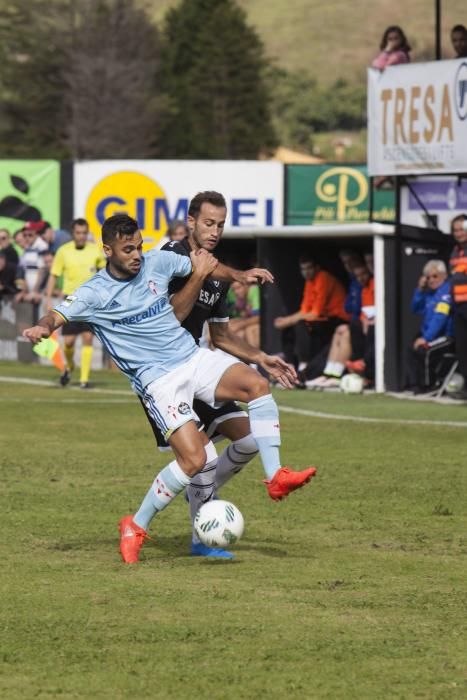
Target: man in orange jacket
[(321, 311), (458, 270)]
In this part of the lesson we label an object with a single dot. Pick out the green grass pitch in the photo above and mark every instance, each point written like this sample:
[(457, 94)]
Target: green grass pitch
[(354, 587)]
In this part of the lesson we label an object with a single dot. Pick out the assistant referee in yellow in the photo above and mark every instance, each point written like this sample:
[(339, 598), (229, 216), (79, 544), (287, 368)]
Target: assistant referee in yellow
[(76, 262)]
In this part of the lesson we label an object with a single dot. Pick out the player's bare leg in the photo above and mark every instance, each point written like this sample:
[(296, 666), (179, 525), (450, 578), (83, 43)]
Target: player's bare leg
[(190, 453), (242, 383)]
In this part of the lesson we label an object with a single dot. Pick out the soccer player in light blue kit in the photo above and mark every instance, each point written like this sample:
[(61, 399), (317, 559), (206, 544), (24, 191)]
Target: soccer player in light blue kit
[(128, 308)]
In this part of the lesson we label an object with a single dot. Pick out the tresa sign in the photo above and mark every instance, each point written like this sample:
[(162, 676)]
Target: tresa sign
[(417, 118), (156, 192), (319, 194)]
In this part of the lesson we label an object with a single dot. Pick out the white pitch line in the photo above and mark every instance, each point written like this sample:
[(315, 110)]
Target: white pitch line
[(364, 419), (285, 409), (55, 385)]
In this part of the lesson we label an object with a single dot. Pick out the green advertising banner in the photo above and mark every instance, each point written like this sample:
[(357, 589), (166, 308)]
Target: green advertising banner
[(29, 191), (334, 194)]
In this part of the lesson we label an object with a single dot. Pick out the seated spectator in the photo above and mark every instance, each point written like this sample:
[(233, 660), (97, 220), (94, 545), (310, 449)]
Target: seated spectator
[(353, 301), (321, 311), (433, 301), (352, 342), (243, 303), (7, 247), (394, 47), (7, 276), (459, 40), (54, 237), (32, 263)]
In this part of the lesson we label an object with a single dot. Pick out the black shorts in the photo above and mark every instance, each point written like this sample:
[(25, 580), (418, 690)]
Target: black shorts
[(358, 339), (209, 419), (75, 328)]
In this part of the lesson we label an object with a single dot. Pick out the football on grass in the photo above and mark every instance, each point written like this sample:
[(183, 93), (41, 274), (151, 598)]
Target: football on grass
[(219, 524), (352, 384)]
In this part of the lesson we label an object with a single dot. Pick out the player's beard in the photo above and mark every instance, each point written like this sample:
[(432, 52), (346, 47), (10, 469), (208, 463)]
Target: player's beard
[(125, 272)]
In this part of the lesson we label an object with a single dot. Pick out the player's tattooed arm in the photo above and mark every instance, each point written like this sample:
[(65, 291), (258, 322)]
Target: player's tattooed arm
[(255, 275), (278, 370), (45, 327)]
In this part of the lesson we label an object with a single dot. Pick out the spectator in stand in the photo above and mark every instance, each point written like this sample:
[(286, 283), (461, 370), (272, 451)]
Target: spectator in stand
[(459, 40), (431, 299), (32, 263), (354, 340), (18, 242), (321, 311), (369, 261), (176, 231), (458, 269), (7, 247), (7, 277), (54, 237), (394, 47), (77, 261), (243, 303)]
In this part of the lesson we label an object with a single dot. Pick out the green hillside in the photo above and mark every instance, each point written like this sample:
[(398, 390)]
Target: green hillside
[(339, 38)]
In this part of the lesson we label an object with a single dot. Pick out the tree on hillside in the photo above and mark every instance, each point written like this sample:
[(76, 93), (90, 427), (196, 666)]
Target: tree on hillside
[(113, 102), (78, 78), (213, 67), (301, 107), (31, 78)]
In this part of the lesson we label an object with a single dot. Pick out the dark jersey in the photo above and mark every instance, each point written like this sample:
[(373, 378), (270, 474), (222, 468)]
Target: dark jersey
[(211, 303)]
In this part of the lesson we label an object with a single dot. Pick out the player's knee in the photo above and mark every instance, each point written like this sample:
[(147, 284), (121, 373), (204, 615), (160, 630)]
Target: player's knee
[(194, 461), (258, 386)]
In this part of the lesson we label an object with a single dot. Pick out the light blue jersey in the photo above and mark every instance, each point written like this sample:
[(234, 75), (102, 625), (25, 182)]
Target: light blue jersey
[(134, 319)]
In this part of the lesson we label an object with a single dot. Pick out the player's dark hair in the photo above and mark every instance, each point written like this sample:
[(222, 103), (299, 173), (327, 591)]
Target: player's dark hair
[(405, 46), (118, 226), (459, 28), (460, 217), (209, 197), (79, 222)]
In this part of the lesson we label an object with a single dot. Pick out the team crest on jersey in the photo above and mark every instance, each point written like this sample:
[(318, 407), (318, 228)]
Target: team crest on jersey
[(152, 286), (184, 408), (69, 300)]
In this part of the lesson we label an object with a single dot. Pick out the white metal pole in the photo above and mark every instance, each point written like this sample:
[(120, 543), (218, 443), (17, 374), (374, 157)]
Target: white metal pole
[(380, 321)]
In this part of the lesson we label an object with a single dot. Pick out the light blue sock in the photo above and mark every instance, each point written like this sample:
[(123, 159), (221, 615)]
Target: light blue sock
[(167, 484), (264, 422)]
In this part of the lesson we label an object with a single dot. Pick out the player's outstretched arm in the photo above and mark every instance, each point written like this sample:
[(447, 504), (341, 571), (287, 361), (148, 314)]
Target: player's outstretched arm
[(45, 327), (255, 275), (279, 371)]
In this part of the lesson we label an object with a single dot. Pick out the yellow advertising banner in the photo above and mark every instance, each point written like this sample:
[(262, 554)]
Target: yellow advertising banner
[(417, 118)]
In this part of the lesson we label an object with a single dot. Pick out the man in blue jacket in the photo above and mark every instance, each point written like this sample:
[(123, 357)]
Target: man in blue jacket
[(433, 301)]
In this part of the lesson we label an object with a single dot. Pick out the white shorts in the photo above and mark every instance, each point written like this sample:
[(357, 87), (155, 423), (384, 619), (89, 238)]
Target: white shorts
[(169, 399)]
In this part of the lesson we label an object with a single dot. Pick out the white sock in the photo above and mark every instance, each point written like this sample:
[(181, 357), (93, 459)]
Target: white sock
[(201, 488), (167, 484), (334, 369), (234, 457)]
